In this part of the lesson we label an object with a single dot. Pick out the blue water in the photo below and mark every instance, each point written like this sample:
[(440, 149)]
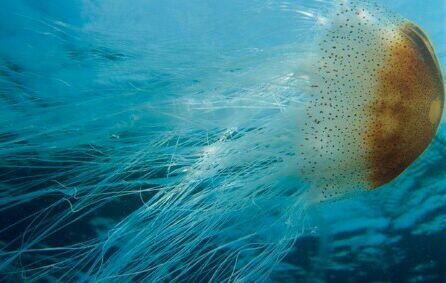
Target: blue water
[(92, 99)]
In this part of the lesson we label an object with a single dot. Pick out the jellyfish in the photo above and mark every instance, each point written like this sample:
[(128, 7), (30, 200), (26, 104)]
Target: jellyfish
[(224, 122), (378, 86)]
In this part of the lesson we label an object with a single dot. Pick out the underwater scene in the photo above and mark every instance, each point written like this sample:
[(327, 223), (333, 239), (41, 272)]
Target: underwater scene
[(222, 141)]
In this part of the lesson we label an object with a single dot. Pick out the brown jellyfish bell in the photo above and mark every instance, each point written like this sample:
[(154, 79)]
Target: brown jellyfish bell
[(375, 102)]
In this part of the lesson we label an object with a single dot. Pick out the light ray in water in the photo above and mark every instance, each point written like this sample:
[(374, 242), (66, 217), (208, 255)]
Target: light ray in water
[(213, 126)]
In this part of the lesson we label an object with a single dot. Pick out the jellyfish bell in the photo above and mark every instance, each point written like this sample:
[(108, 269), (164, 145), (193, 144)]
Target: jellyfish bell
[(375, 101)]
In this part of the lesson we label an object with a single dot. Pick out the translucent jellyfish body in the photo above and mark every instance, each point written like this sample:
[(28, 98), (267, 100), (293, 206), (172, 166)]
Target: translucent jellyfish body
[(376, 100), (210, 114)]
